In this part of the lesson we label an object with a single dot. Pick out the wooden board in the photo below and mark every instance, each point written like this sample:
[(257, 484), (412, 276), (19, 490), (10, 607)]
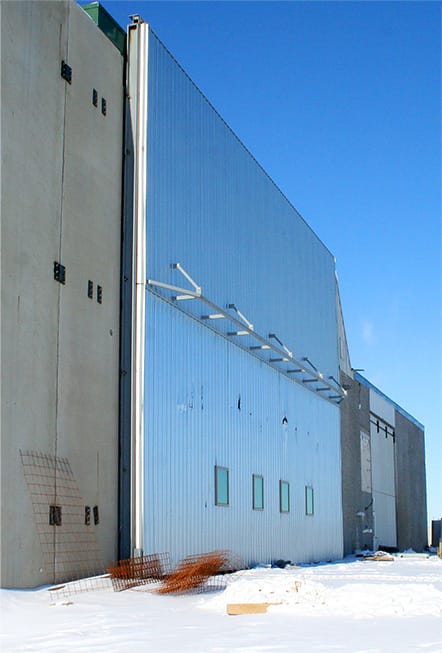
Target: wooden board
[(247, 608)]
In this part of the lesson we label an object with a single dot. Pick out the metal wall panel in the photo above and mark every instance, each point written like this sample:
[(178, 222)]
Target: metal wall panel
[(384, 492), (213, 209), (208, 402), (383, 471), (384, 513), (381, 407)]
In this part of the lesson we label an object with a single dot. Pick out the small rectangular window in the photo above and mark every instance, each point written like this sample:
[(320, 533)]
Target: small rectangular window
[(258, 492), (309, 506), (221, 486), (284, 496), (99, 294)]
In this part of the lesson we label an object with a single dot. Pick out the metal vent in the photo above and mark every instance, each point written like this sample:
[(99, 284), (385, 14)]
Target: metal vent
[(95, 97)]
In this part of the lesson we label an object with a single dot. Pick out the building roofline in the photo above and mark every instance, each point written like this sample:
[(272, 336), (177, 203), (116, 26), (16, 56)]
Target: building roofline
[(361, 379), (243, 145)]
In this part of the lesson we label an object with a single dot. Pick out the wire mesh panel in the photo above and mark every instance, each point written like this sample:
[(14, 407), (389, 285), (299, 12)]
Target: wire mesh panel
[(142, 570), (193, 572), (199, 573), (68, 543)]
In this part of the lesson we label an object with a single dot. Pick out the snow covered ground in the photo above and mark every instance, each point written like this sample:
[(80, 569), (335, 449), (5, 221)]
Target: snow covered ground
[(352, 606)]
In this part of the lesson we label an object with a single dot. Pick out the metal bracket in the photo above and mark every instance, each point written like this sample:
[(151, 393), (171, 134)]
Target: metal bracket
[(241, 316), (286, 349), (179, 267), (245, 328), (213, 316)]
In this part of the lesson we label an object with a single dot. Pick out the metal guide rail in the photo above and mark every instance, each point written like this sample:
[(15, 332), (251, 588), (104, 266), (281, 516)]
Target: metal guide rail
[(302, 370)]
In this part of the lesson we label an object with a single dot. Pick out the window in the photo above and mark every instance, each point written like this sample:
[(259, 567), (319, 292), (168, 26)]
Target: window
[(309, 500), (258, 492), (284, 496), (221, 486)]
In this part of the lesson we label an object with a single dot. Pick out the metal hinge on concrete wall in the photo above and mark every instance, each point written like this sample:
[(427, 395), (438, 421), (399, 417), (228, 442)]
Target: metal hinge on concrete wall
[(55, 515), (59, 272), (66, 72)]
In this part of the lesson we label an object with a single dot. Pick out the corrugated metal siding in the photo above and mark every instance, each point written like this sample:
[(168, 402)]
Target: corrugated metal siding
[(193, 383), (213, 209)]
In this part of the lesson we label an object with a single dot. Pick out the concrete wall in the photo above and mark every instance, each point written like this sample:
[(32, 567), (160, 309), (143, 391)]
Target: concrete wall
[(411, 498), (355, 416), (395, 506), (436, 532), (61, 201)]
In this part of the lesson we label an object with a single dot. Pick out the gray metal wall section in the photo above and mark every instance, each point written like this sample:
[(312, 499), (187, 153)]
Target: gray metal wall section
[(411, 497), (61, 201), (214, 210), (383, 470), (355, 417)]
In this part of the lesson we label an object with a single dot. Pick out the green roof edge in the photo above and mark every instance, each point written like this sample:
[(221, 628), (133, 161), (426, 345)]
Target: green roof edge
[(107, 24)]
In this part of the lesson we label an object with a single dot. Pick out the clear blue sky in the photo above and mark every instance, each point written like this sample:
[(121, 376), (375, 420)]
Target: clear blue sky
[(340, 103)]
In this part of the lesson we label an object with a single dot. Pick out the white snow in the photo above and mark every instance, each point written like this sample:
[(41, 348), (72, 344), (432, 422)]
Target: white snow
[(349, 606)]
